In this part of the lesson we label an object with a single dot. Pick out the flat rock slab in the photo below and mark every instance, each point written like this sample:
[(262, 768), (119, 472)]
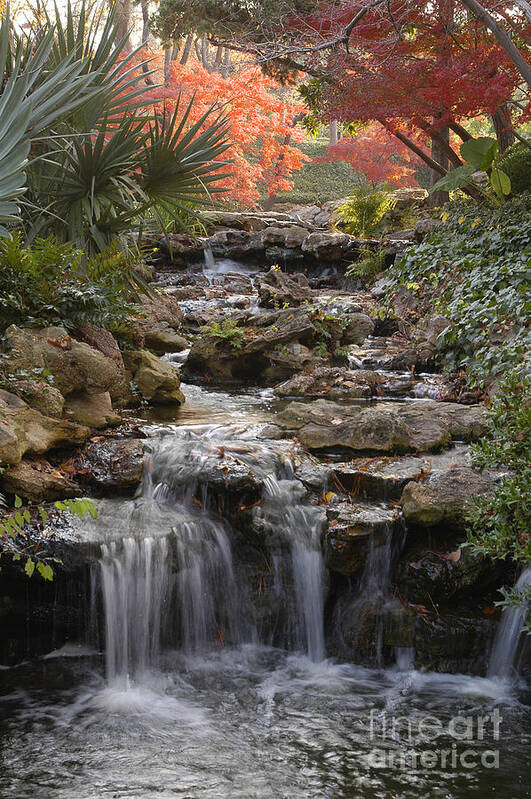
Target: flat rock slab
[(38, 481), (379, 477), (421, 426), (353, 529)]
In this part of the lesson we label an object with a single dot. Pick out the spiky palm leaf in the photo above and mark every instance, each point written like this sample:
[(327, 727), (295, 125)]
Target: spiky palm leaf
[(28, 105)]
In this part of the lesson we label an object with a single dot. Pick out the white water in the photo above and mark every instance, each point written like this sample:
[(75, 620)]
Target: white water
[(167, 571), (503, 658)]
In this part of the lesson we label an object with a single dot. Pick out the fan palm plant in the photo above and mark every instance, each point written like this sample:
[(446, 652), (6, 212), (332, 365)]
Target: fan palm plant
[(31, 100), (115, 164)]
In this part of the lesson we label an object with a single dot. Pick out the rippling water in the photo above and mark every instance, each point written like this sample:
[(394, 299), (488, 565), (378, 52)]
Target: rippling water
[(250, 722)]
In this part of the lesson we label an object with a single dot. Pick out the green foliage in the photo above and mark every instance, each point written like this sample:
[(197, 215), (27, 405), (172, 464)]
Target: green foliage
[(103, 164), (474, 269), (227, 330), (36, 91), (368, 267), (14, 541), (516, 163), (480, 154), (51, 282), (329, 330), (363, 212), (500, 525)]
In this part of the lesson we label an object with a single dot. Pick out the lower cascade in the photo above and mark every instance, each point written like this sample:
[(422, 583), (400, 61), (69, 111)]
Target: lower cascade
[(504, 652), (168, 577)]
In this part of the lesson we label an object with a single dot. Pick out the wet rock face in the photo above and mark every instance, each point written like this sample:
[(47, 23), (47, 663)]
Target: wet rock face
[(331, 382), (115, 463), (441, 574), (443, 498), (277, 289), (352, 529), (385, 428), (157, 381), (24, 430)]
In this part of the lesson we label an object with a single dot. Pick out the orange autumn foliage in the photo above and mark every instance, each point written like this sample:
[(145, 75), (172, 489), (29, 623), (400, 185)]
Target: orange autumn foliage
[(261, 125)]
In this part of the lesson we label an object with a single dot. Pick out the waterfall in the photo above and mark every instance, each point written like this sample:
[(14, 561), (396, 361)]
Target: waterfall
[(504, 651), (167, 576), (134, 576), (210, 261), (301, 527)]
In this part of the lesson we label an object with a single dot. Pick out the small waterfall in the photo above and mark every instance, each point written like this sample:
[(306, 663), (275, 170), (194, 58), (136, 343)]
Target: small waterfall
[(210, 261), (134, 576), (504, 651), (167, 575), (300, 526), (368, 610)]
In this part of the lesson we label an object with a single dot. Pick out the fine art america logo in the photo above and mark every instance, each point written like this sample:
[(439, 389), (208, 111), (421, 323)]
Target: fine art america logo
[(426, 742)]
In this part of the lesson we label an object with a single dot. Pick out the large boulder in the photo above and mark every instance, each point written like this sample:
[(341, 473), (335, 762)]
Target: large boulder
[(37, 481), (443, 498), (358, 327), (255, 348), (157, 315), (104, 341), (161, 338), (277, 289), (327, 245), (74, 365), (25, 430), (93, 410), (383, 427), (156, 380)]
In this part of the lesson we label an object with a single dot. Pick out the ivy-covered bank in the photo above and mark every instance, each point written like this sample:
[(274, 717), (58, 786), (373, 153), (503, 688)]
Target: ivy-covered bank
[(474, 269)]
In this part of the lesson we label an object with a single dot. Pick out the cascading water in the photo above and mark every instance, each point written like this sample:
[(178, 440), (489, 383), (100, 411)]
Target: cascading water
[(505, 649), (168, 573), (134, 577)]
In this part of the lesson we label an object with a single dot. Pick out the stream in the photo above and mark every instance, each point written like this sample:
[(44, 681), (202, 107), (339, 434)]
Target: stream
[(188, 686)]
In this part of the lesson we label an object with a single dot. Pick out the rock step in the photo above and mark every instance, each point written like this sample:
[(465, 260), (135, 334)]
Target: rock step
[(353, 528), (378, 478)]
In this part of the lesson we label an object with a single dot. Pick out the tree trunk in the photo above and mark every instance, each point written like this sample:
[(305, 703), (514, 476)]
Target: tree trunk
[(123, 18), (503, 127), (218, 59), (503, 38), (187, 49), (333, 133), (167, 65), (145, 21), (226, 65), (439, 152)]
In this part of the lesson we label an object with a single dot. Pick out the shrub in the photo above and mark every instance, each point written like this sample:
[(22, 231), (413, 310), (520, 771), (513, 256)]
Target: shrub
[(363, 212), (318, 182), (516, 163), (368, 267), (51, 283), (499, 525)]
